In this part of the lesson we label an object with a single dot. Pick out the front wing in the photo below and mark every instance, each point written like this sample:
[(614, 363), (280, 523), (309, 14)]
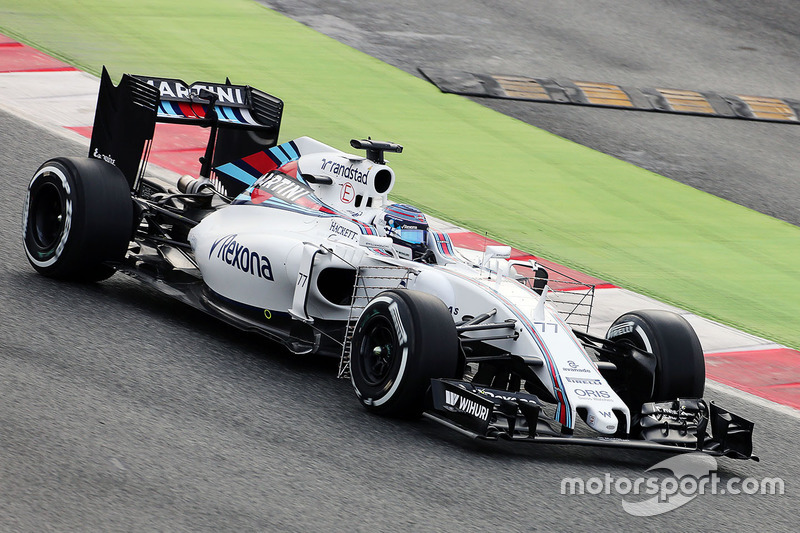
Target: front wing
[(679, 426)]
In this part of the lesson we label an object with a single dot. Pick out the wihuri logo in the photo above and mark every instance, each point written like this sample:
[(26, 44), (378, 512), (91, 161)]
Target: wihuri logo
[(466, 405)]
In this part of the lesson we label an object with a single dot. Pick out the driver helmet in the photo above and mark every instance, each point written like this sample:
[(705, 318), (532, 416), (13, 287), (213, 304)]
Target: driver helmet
[(407, 226)]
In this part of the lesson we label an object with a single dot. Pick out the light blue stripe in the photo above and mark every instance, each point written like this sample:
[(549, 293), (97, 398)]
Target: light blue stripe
[(169, 109), (230, 115), (226, 113), (280, 155), (229, 169), (289, 150), (238, 114)]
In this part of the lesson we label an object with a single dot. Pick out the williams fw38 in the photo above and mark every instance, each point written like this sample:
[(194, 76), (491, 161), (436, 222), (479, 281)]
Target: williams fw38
[(299, 242)]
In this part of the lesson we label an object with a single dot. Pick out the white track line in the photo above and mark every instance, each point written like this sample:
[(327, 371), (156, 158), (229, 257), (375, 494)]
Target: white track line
[(752, 398)]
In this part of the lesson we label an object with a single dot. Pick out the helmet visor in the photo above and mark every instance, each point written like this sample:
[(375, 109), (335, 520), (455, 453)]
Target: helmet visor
[(413, 236)]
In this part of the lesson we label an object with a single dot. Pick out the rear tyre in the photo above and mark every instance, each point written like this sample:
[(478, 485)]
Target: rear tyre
[(402, 340), (78, 215), (680, 366)]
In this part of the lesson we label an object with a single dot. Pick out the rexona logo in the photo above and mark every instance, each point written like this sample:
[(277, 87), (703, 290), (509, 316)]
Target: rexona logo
[(241, 257), (465, 405)]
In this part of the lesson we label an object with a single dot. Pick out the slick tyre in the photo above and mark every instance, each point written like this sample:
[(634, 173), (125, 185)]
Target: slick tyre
[(402, 340), (680, 366), (78, 215)]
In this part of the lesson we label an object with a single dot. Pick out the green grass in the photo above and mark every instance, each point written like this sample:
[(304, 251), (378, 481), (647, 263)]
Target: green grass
[(463, 162)]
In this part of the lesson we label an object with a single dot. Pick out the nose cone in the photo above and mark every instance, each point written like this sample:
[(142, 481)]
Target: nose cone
[(602, 421)]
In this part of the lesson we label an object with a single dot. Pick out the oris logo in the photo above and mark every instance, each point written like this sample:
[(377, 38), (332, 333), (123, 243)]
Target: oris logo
[(596, 394)]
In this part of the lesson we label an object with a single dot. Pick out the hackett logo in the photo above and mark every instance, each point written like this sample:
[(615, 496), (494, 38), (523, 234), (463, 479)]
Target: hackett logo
[(241, 257)]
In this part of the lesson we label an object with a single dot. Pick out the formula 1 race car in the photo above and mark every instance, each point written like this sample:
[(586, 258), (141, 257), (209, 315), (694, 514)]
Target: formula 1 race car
[(299, 242)]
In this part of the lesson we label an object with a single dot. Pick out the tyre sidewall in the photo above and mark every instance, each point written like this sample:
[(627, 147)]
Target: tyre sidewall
[(50, 175), (428, 348), (391, 309), (97, 219), (680, 366)]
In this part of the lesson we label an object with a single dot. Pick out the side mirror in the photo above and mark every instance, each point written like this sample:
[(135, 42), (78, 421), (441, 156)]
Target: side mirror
[(495, 252)]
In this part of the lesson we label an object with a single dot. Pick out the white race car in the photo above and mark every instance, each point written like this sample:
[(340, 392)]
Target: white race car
[(299, 242)]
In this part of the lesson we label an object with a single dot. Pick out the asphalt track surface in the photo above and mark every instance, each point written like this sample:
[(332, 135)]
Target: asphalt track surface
[(123, 410), (733, 47)]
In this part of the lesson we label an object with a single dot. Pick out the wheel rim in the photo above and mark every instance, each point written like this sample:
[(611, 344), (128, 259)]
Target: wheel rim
[(378, 351), (47, 216)]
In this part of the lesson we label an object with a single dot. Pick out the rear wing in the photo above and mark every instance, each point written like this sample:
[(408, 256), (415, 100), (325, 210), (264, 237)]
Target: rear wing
[(241, 119)]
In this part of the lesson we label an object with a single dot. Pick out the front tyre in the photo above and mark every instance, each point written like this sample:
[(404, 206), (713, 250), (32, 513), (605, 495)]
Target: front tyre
[(402, 340), (680, 366), (78, 215)]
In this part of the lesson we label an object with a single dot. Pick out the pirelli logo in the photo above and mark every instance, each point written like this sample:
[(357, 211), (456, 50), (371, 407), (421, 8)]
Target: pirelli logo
[(589, 93)]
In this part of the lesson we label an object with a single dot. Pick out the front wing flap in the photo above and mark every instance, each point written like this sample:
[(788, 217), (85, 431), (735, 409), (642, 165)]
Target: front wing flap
[(679, 426)]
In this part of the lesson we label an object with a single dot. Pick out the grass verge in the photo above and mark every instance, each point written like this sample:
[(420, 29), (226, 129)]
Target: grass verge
[(462, 161)]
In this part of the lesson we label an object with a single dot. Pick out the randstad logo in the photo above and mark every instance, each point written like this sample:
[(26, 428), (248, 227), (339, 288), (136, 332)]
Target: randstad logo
[(692, 475)]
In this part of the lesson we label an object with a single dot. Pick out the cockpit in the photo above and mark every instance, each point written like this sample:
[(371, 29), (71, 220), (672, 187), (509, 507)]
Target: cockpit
[(407, 227)]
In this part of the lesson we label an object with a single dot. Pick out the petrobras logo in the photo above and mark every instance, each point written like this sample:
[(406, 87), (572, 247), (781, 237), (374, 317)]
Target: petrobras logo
[(240, 257), (465, 405)]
